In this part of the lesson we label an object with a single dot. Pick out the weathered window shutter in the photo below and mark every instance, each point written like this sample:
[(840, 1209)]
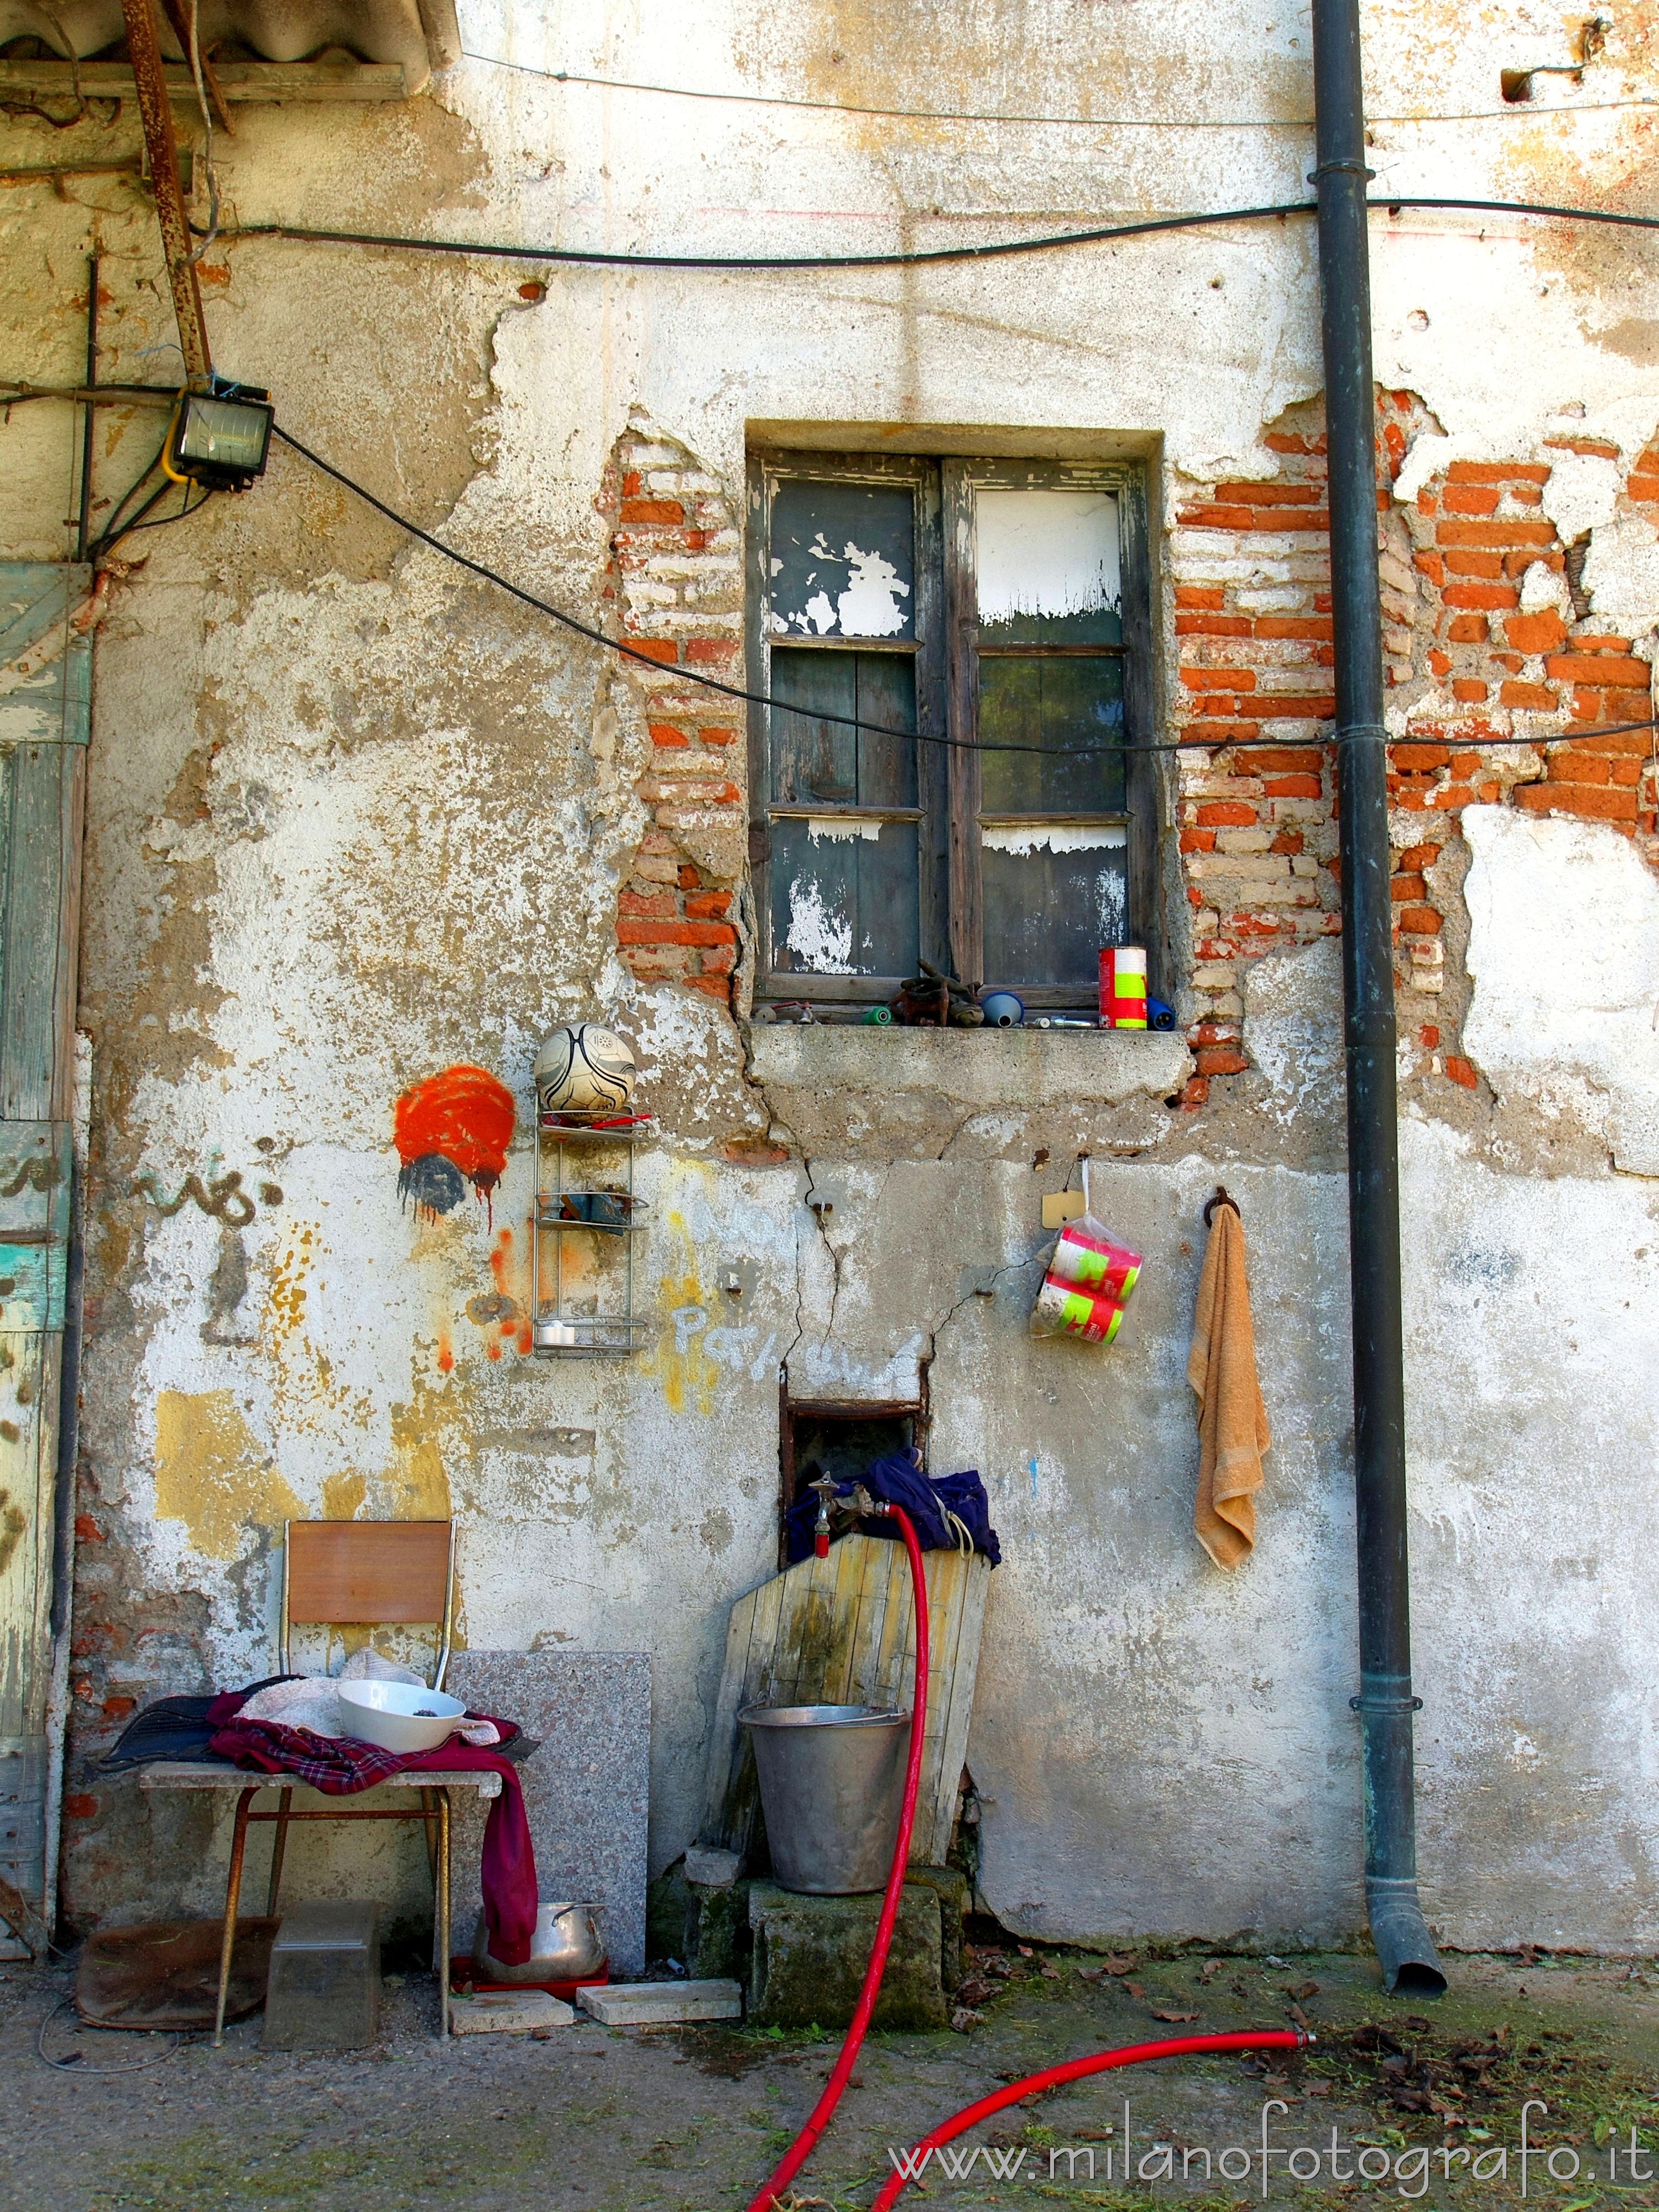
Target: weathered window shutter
[(45, 662)]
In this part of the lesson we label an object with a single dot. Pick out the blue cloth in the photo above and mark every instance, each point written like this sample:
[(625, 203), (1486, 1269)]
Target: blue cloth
[(927, 1502)]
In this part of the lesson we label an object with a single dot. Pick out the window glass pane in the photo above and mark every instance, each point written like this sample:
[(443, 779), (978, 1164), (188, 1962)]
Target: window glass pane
[(844, 897), (815, 759), (1054, 896), (1052, 703), (844, 560), (1048, 571)]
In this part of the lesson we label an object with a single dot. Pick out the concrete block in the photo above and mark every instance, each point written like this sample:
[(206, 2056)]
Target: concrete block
[(950, 1885), (717, 1938), (508, 2012), (585, 1789), (810, 1953), (324, 1990), (661, 2004), (711, 1868)]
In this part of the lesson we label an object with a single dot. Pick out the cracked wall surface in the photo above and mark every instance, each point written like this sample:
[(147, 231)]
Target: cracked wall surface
[(355, 817)]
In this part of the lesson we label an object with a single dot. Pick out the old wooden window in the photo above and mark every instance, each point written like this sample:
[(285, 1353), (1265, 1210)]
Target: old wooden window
[(1004, 606)]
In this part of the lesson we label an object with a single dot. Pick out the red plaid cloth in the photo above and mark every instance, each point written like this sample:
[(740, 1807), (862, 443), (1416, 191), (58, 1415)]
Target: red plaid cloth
[(342, 1765)]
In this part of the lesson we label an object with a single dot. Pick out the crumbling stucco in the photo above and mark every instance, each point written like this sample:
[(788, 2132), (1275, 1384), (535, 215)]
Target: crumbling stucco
[(355, 817)]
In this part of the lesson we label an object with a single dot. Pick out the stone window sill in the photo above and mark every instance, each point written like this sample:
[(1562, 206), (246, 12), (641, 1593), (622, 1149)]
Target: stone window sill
[(1019, 1068)]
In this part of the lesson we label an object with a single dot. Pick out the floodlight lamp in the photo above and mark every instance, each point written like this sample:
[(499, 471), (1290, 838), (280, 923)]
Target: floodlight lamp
[(220, 437)]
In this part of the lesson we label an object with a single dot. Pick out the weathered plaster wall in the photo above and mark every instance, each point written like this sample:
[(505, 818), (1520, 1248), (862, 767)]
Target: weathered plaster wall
[(354, 819)]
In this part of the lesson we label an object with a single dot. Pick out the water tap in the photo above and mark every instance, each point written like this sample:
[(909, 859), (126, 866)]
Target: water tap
[(857, 1505)]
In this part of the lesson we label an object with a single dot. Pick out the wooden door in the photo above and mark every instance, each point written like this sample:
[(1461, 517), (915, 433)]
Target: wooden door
[(46, 660)]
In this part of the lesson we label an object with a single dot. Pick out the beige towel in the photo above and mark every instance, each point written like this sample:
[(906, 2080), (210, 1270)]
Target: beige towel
[(1232, 1421)]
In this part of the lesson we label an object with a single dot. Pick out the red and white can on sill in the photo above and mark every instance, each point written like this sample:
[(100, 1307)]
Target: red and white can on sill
[(1123, 986)]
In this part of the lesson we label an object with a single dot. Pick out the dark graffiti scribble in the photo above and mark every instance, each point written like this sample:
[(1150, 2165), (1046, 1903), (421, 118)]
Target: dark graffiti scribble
[(223, 1198)]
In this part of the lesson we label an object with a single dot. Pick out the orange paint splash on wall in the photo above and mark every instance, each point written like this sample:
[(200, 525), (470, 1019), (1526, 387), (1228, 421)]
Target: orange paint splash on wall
[(454, 1126), (445, 1352)]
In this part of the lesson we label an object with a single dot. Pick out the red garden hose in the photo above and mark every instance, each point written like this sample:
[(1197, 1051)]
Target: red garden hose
[(1133, 2054), (1051, 2077), (801, 2150)]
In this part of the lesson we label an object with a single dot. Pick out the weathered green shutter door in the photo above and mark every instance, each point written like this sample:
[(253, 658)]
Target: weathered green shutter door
[(45, 664)]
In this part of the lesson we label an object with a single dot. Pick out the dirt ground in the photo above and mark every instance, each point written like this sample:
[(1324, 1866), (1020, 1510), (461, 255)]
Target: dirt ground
[(690, 2120)]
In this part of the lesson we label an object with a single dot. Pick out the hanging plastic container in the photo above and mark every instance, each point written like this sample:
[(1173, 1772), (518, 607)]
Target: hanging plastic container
[(831, 1785), (1090, 1274)]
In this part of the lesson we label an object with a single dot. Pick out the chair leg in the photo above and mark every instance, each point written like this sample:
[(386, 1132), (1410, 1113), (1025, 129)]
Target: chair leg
[(443, 1915), (278, 1848), (232, 1899), (431, 1812)]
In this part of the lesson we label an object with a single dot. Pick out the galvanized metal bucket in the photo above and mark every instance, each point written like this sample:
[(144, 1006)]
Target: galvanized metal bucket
[(831, 1784)]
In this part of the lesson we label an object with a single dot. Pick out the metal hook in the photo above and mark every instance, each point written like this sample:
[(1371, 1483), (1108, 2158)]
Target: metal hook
[(1223, 1197)]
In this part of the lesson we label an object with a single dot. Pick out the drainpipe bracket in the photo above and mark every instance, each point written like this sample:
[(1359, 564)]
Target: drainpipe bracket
[(1363, 1704), (1341, 168)]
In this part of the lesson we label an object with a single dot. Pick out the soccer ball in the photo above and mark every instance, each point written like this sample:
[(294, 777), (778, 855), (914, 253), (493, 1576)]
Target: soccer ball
[(583, 1070)]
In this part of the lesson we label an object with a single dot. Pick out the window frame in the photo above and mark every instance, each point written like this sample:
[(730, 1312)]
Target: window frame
[(947, 657)]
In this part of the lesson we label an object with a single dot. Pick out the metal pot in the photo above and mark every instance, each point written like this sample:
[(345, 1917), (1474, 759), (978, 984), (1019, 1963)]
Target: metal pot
[(831, 1784), (567, 1947)]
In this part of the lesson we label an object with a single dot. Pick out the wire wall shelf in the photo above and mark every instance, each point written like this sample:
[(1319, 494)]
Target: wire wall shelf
[(575, 1196)]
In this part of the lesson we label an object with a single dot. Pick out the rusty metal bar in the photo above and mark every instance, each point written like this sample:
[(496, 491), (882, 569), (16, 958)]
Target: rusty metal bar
[(410, 1812), (92, 395), (232, 1892), (156, 115), (278, 1846)]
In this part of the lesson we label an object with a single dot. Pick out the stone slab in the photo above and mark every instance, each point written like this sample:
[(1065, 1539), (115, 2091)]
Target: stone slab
[(662, 2004), (508, 2012), (810, 1953), (712, 1867), (586, 1791)]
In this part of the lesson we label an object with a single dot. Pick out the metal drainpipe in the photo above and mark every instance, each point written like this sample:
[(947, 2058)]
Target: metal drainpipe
[(1404, 1945)]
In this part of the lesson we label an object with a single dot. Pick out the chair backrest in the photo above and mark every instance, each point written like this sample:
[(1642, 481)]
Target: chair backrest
[(370, 1572)]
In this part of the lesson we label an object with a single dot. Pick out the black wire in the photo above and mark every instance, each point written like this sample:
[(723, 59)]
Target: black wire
[(117, 530), (161, 521), (997, 249), (75, 2062), (114, 527), (627, 652)]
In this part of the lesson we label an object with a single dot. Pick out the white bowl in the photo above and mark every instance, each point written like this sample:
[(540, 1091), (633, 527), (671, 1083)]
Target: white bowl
[(398, 1716)]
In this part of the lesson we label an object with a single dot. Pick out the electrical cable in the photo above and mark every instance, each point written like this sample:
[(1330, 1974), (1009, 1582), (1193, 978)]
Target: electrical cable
[(1077, 2070), (114, 527), (195, 60), (921, 257), (163, 521), (74, 2062), (1049, 122), (626, 652)]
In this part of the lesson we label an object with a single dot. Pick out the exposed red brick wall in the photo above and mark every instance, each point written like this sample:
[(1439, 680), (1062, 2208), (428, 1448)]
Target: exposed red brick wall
[(676, 584), (1480, 635)]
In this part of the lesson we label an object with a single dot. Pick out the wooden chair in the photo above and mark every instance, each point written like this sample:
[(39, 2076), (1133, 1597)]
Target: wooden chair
[(334, 1573), (391, 1573)]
